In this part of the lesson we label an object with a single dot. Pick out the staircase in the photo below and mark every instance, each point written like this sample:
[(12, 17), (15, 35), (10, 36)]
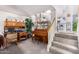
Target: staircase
[(64, 43)]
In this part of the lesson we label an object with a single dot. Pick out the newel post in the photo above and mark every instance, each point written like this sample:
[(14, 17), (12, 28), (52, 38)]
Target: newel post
[(78, 30)]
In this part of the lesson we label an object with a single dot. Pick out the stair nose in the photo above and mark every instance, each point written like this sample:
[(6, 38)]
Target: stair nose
[(67, 36), (65, 47), (66, 41), (56, 50)]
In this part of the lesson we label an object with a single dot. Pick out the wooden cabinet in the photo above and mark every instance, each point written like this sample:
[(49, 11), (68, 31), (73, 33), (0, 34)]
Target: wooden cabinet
[(41, 35), (21, 35)]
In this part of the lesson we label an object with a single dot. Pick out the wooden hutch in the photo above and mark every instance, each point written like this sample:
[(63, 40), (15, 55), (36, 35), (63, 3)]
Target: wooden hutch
[(41, 32), (14, 30)]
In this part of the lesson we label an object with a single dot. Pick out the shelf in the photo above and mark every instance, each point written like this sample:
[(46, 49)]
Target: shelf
[(14, 24), (42, 25)]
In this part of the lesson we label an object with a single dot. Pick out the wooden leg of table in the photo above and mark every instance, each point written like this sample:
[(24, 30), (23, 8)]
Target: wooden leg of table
[(18, 38), (5, 43)]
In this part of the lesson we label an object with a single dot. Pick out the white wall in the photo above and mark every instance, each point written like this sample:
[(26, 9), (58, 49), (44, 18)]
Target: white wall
[(1, 26), (5, 15)]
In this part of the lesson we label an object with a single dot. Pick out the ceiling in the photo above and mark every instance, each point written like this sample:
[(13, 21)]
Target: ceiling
[(62, 9), (25, 10)]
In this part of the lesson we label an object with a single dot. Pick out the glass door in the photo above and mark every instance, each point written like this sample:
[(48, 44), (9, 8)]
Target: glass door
[(75, 22), (61, 25)]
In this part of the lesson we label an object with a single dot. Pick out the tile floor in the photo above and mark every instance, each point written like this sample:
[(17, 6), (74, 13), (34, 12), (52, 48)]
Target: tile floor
[(26, 47)]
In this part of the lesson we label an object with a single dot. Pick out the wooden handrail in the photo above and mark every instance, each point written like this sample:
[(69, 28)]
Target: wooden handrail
[(51, 24)]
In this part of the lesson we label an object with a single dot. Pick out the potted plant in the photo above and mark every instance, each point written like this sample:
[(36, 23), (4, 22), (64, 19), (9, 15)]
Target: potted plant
[(28, 26)]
